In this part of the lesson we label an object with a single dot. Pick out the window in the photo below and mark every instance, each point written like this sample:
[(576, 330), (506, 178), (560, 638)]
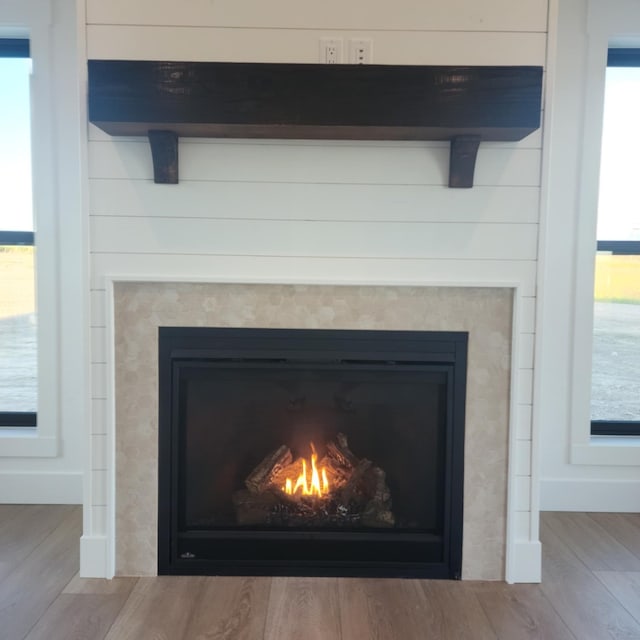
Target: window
[(615, 392), (18, 342)]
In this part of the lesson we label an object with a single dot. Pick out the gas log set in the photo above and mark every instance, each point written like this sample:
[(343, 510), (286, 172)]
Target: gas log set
[(337, 490)]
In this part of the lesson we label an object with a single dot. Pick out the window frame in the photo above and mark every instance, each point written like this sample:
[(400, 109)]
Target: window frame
[(33, 19), (17, 48), (619, 57)]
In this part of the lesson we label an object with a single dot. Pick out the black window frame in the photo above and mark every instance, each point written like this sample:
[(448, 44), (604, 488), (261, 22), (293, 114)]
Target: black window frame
[(16, 48), (619, 57)]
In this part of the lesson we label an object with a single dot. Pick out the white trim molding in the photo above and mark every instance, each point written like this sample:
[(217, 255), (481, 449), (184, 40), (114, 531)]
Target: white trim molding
[(607, 450), (618, 496), (517, 567), (33, 487), (27, 443), (527, 562), (94, 557)]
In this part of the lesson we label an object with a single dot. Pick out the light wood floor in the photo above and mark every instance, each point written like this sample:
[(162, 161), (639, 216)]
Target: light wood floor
[(590, 590)]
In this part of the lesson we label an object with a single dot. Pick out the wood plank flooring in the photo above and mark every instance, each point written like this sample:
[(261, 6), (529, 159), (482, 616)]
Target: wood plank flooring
[(590, 591)]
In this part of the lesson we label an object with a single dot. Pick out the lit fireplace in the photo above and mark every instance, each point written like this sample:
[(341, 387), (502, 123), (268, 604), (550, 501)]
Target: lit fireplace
[(339, 490), (302, 452), (307, 486)]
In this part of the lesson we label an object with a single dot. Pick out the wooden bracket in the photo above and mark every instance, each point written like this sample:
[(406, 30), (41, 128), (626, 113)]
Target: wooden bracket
[(462, 161), (164, 153)]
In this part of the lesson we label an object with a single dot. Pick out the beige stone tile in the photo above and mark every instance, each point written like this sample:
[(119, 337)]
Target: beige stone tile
[(486, 313)]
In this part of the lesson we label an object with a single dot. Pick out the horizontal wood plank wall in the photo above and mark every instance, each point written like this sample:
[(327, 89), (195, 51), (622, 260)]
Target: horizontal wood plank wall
[(433, 15), (310, 238), (285, 45), (224, 161), (315, 211)]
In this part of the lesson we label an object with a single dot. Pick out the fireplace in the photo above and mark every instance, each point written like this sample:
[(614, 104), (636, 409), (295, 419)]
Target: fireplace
[(140, 308), (311, 452)]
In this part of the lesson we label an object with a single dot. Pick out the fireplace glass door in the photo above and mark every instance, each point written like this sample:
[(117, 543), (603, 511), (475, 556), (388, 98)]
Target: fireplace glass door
[(311, 452)]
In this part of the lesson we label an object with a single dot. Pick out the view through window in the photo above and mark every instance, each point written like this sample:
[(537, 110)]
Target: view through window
[(18, 337), (615, 394)]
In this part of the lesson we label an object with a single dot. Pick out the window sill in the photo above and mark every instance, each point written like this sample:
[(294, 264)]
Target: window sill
[(24, 442), (615, 451)]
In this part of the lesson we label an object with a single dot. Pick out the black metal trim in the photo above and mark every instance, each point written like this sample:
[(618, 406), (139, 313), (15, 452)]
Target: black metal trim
[(458, 418), (623, 57), (18, 419), (615, 427), (438, 349), (620, 247), (13, 238), (14, 48), (435, 571)]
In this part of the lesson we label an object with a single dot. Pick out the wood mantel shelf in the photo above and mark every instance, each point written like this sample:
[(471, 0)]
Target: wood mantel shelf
[(165, 100)]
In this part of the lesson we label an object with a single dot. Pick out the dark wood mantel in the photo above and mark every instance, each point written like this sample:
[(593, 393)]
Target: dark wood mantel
[(165, 100)]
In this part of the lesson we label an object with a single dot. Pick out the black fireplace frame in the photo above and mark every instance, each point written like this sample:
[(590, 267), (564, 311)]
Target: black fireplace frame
[(180, 344)]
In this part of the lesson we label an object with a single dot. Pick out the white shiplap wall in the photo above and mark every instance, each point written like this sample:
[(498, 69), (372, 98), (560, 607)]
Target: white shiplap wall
[(315, 211)]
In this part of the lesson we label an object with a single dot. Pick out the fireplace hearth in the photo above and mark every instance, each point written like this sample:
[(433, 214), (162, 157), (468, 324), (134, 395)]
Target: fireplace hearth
[(311, 452)]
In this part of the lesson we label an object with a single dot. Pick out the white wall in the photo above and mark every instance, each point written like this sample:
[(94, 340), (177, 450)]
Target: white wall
[(300, 211), (48, 466), (578, 472)]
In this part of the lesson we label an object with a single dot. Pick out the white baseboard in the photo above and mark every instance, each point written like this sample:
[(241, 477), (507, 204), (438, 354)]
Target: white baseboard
[(40, 488), (526, 562), (622, 496), (93, 557)]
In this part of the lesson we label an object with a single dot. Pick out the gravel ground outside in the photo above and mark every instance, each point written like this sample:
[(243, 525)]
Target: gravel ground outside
[(615, 388), (18, 355)]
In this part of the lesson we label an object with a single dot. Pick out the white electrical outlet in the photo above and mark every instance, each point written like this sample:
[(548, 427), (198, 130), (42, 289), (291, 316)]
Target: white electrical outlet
[(360, 51), (331, 50)]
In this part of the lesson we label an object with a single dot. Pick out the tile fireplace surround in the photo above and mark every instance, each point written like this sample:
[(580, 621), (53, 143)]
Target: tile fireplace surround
[(486, 313)]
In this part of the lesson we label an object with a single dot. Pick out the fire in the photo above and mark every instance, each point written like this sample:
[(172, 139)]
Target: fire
[(315, 483)]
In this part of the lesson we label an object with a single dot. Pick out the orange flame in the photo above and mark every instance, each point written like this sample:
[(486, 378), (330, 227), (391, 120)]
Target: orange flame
[(309, 484)]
